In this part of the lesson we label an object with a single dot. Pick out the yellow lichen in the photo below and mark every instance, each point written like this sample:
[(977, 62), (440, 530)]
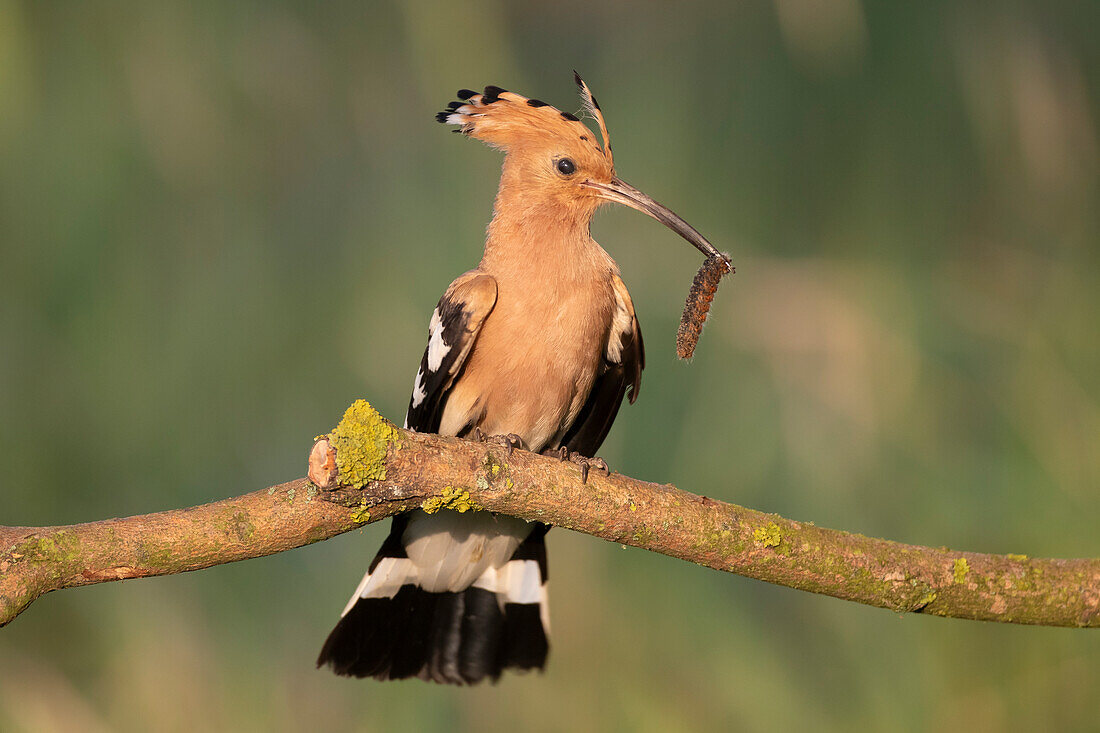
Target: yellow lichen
[(361, 515), (962, 567), (451, 498), (238, 526), (361, 440), (769, 535), (1017, 558), (59, 548)]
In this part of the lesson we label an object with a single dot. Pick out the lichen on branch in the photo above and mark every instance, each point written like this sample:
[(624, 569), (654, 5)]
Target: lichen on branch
[(366, 469), (361, 440)]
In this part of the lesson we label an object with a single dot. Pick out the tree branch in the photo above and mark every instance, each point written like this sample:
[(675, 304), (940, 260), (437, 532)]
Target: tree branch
[(385, 470)]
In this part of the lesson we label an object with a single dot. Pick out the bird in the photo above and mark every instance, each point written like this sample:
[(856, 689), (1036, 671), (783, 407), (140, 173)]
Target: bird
[(534, 348)]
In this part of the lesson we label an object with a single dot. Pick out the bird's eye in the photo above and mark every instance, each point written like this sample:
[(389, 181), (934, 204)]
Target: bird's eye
[(566, 167)]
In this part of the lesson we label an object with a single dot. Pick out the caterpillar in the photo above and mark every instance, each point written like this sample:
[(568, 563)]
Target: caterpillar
[(699, 298)]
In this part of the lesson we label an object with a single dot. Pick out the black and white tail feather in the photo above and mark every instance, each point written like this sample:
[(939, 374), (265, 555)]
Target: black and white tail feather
[(405, 620)]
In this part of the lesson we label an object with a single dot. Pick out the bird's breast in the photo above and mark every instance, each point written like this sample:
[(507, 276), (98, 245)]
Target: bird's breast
[(535, 361)]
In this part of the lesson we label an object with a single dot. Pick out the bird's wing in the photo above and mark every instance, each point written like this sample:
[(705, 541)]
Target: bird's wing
[(455, 324), (623, 361)]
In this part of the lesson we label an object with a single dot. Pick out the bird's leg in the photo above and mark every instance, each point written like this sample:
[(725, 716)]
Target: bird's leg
[(583, 462), (509, 442)]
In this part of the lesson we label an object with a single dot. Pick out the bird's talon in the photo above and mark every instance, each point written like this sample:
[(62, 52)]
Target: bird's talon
[(509, 442), (586, 464), (562, 453)]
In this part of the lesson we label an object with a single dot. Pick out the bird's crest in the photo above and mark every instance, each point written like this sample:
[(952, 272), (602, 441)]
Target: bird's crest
[(503, 119), (592, 107)]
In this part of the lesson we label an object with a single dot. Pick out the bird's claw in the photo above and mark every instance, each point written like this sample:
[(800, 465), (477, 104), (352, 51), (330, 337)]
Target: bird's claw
[(509, 442), (583, 462), (561, 453), (586, 463)]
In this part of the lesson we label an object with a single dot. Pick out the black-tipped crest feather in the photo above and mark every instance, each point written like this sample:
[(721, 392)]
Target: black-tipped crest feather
[(592, 108)]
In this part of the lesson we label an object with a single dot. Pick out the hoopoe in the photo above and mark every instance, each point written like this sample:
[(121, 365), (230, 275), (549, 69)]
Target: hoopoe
[(538, 344)]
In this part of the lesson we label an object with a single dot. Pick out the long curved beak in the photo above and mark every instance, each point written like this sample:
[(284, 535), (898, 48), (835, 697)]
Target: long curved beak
[(621, 192)]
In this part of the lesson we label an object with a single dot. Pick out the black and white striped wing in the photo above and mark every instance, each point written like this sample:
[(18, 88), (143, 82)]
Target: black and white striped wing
[(454, 327), (621, 369)]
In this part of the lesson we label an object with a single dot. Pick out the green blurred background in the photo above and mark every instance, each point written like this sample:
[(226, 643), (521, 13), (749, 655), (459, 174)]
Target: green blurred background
[(222, 222)]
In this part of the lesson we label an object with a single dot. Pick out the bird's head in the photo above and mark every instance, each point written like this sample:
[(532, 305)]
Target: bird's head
[(553, 159)]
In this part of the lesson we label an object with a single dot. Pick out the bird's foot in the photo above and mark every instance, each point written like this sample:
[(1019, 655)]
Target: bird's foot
[(583, 462), (586, 463), (509, 442), (562, 453)]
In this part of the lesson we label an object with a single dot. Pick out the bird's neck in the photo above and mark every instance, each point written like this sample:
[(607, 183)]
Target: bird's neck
[(530, 236)]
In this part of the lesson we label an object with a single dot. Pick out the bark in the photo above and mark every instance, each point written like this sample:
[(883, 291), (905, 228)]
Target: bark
[(399, 470)]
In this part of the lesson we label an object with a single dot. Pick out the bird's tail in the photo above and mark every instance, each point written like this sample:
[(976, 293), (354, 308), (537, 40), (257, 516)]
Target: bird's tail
[(393, 628)]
